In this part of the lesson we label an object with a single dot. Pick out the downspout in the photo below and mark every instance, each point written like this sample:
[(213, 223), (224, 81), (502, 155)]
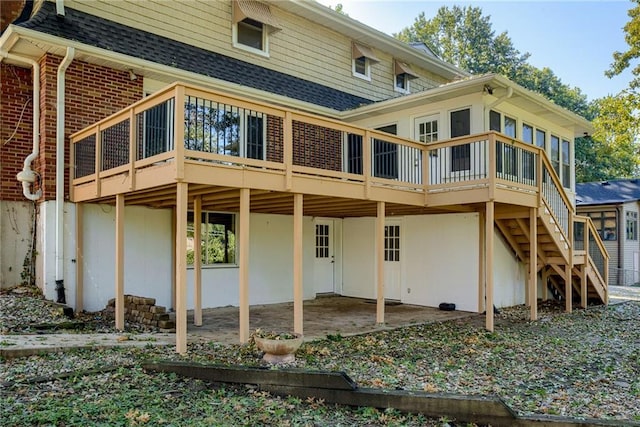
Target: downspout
[(27, 176), (60, 8), (500, 100), (621, 235), (60, 112)]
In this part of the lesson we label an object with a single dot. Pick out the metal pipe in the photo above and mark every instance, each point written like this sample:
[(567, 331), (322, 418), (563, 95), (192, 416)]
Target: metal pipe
[(27, 176), (60, 112)]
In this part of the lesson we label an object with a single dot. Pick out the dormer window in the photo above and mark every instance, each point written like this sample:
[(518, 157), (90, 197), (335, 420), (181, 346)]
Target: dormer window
[(402, 75), (362, 57), (252, 25)]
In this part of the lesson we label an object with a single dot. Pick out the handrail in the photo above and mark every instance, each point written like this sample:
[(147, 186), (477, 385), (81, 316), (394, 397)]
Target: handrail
[(556, 181)]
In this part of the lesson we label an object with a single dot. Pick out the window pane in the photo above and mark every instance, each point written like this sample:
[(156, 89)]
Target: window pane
[(250, 33), (555, 153), (255, 137), (527, 134), (217, 238), (460, 123), (494, 121), (354, 154), (566, 168), (540, 137), (360, 65), (510, 127)]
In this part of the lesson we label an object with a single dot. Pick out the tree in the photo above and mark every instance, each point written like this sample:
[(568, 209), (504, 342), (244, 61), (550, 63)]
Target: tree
[(612, 151), (465, 38), (622, 60)]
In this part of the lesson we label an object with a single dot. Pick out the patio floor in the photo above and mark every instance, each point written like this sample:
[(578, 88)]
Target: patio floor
[(322, 316)]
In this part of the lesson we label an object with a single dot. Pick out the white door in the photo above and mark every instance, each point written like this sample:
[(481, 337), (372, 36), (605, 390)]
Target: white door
[(324, 269), (392, 257)]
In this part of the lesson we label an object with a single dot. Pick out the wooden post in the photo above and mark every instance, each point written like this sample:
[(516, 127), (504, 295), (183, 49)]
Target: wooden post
[(287, 156), (425, 174), (79, 257), (119, 267), (197, 261), (489, 220), (481, 261), (583, 285), (366, 163), (297, 263), (243, 260), (545, 284), (179, 131), (380, 262), (533, 263), (182, 190), (568, 289), (173, 258)]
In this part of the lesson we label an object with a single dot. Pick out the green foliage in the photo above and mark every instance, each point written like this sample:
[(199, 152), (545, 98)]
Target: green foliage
[(622, 60), (613, 151)]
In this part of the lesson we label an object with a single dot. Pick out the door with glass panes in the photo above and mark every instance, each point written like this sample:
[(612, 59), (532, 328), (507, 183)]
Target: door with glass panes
[(324, 264), (392, 258)]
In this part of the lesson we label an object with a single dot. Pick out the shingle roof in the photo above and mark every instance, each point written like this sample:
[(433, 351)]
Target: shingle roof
[(95, 31), (607, 192)]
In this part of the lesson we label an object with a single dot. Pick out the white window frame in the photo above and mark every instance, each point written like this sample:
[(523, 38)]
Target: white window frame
[(265, 41), (367, 66), (407, 80), (242, 133)]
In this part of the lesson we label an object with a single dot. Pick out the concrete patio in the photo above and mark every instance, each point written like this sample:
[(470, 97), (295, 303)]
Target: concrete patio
[(322, 316)]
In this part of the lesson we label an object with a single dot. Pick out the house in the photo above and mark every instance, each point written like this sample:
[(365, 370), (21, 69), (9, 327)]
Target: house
[(613, 208), (253, 152)]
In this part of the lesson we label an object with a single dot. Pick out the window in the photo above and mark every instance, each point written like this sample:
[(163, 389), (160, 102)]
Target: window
[(510, 127), (460, 126), (222, 129), (527, 133), (251, 33), (495, 121), (322, 241), (403, 73), (385, 155), (632, 225), (217, 237), (362, 58), (606, 224), (253, 23), (555, 153), (402, 83), (354, 154), (392, 243), (427, 129), (566, 166), (540, 138)]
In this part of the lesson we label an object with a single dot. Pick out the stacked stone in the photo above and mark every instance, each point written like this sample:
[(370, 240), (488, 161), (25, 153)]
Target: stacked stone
[(144, 311)]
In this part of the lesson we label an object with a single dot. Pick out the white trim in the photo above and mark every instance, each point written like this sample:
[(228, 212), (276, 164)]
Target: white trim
[(265, 41)]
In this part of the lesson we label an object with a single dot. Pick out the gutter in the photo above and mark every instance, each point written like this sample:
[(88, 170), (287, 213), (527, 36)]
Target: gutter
[(27, 176), (60, 125)]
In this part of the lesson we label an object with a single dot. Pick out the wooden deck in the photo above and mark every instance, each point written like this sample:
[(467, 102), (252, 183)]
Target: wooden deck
[(190, 148)]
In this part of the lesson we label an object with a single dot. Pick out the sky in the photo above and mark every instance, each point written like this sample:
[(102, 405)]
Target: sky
[(575, 39)]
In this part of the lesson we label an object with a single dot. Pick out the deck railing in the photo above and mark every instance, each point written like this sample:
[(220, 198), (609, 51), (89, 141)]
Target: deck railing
[(587, 239), (184, 123)]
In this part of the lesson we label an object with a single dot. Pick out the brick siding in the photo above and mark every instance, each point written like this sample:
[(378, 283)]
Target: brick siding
[(15, 102)]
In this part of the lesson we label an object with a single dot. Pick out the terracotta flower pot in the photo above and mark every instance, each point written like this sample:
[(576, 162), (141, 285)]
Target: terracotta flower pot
[(278, 350)]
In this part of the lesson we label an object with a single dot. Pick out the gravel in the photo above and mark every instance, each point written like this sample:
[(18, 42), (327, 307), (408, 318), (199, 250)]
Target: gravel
[(585, 364)]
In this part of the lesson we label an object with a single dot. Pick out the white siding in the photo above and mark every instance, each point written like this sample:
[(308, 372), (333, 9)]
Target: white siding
[(16, 230)]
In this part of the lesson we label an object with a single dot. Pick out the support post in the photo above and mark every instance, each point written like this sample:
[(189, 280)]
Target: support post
[(533, 263), (297, 263), (583, 285), (380, 262), (481, 261), (489, 220), (545, 284), (182, 190), (568, 289), (173, 258), (197, 261), (79, 257), (243, 260), (119, 267)]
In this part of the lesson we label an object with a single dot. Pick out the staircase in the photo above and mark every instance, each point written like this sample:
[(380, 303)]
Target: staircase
[(582, 258)]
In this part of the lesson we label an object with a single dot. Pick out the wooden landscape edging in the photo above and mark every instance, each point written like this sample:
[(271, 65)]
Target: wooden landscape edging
[(339, 388)]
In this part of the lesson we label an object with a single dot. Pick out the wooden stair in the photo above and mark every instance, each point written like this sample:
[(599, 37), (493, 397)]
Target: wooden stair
[(554, 253)]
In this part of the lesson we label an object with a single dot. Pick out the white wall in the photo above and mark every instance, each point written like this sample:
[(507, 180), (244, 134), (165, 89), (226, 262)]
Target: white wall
[(271, 266), (358, 245), (16, 230), (46, 251), (147, 267), (440, 262)]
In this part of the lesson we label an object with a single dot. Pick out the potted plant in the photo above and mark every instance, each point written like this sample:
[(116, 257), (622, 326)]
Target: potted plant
[(278, 347)]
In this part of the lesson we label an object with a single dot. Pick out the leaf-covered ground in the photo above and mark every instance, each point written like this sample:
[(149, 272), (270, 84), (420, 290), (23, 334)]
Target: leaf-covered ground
[(584, 364)]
